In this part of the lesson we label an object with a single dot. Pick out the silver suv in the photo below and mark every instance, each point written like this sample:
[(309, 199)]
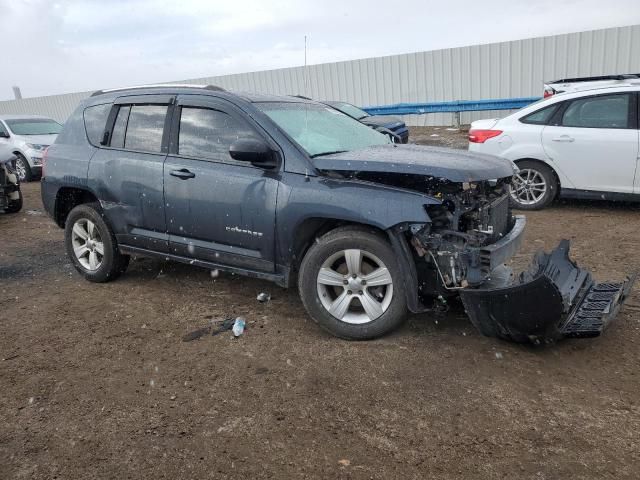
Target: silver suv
[(28, 136)]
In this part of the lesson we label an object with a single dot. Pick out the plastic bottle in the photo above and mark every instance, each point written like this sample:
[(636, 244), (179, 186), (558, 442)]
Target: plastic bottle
[(238, 326)]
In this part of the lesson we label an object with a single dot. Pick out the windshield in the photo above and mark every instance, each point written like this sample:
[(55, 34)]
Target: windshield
[(350, 110), (321, 130), (34, 126)]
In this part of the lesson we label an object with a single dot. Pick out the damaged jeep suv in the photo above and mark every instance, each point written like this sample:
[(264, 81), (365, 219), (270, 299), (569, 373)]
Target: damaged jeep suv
[(295, 192)]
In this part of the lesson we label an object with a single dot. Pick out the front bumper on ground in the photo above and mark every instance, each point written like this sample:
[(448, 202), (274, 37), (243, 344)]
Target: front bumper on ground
[(554, 299)]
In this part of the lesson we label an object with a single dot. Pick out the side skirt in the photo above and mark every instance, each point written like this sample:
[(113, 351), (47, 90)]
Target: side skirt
[(280, 279), (596, 195)]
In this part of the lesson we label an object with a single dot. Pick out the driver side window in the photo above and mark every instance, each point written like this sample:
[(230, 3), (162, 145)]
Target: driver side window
[(206, 133)]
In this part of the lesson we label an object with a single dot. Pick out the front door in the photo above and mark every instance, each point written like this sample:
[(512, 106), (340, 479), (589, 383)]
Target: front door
[(217, 209), (594, 141)]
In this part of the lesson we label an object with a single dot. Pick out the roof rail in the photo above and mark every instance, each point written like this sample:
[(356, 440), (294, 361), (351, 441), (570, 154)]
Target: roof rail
[(301, 96), (160, 85), (622, 76)]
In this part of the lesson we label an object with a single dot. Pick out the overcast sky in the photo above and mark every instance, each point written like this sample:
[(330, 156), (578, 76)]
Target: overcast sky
[(51, 47)]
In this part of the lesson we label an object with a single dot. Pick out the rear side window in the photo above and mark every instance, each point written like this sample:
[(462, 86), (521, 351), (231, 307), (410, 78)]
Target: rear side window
[(206, 133), (604, 111), (145, 128), (542, 116), (95, 119)]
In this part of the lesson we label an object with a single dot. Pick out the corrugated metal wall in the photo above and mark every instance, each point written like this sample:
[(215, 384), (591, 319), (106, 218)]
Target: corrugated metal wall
[(498, 70)]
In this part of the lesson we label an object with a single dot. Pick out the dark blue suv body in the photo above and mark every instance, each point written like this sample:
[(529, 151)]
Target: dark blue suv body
[(283, 189)]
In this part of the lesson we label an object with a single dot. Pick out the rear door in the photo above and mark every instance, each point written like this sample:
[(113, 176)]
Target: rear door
[(128, 170), (218, 209), (594, 141)]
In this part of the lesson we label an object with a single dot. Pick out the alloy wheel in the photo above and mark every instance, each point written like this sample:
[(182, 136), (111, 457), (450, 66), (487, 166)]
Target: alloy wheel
[(87, 244), (354, 286), (529, 187), (21, 169)]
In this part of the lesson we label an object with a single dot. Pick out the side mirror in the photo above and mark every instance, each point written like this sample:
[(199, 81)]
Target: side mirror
[(392, 136), (255, 151)]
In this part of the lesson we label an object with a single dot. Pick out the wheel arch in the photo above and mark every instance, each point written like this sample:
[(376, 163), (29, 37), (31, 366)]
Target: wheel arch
[(307, 231), (67, 198)]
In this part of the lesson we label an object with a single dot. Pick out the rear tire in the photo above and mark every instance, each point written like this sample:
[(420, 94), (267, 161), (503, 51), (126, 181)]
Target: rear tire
[(534, 187), (91, 245), (355, 296), (14, 206)]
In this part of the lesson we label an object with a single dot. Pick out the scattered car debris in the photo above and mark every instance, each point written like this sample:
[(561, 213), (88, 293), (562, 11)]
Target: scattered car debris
[(264, 297), (238, 326), (552, 300), (215, 273)]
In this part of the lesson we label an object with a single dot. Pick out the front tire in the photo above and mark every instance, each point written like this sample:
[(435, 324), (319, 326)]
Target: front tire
[(23, 170), (351, 285), (91, 245), (534, 187)]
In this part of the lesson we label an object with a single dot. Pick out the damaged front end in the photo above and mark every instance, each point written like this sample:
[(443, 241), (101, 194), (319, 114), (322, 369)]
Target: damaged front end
[(471, 236)]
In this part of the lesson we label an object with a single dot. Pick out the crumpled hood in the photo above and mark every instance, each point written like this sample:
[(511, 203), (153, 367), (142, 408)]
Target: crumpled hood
[(382, 121), (446, 163)]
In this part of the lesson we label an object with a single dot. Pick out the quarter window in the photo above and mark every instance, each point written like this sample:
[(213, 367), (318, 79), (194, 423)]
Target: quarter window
[(145, 128), (206, 133), (603, 111), (540, 117), (95, 119)]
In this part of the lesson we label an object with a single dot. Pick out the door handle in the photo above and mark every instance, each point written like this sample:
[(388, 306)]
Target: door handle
[(563, 138), (183, 174)]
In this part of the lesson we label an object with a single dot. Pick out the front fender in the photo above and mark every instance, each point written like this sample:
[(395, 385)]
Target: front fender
[(355, 201), (301, 198)]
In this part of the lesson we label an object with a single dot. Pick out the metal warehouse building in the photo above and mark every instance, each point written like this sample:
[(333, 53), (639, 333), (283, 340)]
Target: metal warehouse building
[(492, 71)]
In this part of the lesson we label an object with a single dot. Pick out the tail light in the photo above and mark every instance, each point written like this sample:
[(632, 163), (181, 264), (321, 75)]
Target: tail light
[(481, 136), (44, 161), (548, 91)]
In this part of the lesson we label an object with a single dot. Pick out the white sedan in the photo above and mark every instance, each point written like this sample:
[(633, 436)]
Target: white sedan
[(582, 144)]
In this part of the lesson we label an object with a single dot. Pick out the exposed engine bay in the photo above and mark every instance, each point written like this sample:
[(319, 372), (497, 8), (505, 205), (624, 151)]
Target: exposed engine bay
[(468, 217)]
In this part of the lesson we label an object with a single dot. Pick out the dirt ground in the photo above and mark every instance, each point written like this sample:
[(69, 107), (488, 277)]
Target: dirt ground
[(96, 382)]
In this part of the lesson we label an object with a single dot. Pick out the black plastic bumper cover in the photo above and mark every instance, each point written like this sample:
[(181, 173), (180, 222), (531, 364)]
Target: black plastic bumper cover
[(552, 300)]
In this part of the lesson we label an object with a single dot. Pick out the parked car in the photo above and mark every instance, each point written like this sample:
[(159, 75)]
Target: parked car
[(28, 136), (567, 85), (395, 124), (10, 194), (283, 189), (574, 145)]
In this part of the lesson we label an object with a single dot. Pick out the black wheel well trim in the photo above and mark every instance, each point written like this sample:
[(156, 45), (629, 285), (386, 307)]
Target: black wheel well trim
[(400, 245), (68, 198), (542, 162)]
